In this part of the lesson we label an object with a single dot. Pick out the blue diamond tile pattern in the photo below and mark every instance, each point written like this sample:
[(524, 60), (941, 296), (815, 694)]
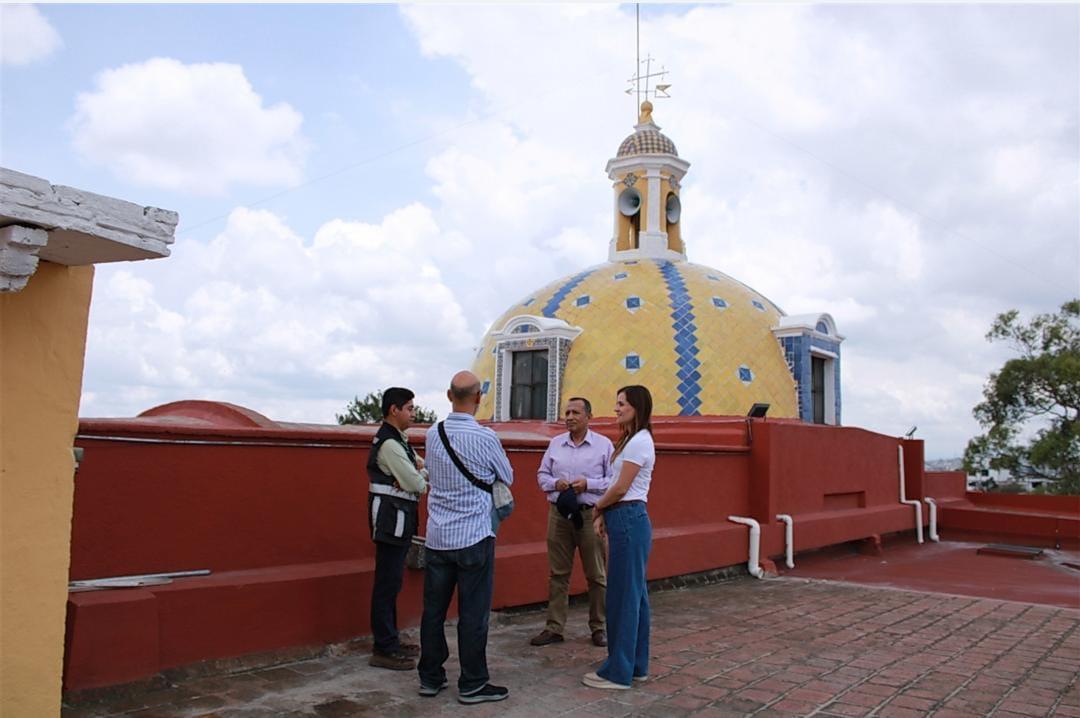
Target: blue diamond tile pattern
[(633, 361), (758, 305), (633, 302), (553, 304), (582, 301), (682, 316)]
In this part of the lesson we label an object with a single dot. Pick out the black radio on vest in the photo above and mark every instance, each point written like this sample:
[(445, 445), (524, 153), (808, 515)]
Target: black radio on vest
[(392, 512)]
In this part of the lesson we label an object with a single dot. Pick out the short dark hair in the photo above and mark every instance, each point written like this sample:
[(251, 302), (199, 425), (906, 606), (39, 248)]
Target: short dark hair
[(583, 400), (395, 396)]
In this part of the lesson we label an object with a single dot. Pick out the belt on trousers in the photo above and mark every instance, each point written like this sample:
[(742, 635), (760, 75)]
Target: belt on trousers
[(620, 504), (583, 507)]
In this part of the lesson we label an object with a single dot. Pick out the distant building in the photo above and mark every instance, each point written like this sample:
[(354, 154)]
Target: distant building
[(703, 342)]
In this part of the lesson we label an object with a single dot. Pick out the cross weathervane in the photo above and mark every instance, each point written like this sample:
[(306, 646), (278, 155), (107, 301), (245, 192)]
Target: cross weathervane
[(658, 90)]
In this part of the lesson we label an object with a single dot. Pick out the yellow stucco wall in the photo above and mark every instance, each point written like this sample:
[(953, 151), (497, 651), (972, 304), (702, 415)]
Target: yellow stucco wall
[(42, 345)]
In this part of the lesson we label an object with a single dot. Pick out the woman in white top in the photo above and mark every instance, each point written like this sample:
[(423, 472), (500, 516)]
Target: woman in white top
[(621, 515)]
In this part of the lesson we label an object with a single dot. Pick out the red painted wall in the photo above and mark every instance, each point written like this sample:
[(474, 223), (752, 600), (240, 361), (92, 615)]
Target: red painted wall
[(277, 512)]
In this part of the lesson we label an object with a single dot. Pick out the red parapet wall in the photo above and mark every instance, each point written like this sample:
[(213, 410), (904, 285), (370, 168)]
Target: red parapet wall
[(277, 512)]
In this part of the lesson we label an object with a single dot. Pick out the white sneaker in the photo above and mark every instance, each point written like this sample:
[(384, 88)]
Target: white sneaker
[(640, 679), (592, 680)]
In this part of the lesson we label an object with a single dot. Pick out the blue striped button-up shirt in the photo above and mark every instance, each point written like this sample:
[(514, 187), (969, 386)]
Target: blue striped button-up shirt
[(459, 513)]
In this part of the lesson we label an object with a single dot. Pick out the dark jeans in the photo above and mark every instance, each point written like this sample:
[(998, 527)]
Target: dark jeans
[(471, 570), (628, 615), (389, 569)]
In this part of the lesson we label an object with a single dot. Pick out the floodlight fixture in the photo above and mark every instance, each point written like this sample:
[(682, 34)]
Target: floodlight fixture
[(758, 411)]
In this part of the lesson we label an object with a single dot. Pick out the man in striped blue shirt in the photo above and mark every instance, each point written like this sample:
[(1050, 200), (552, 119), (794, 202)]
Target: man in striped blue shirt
[(460, 546)]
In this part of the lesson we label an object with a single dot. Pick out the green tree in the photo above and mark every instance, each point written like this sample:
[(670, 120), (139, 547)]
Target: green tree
[(1031, 406), (369, 411)]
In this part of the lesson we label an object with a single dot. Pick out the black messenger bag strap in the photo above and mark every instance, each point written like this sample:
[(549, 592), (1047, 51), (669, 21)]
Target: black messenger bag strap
[(457, 462)]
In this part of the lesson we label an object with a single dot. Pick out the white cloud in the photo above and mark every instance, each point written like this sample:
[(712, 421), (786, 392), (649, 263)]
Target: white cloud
[(259, 314), (197, 128), (25, 35)]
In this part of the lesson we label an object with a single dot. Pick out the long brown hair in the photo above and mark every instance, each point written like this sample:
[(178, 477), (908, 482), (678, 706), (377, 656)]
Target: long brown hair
[(640, 399)]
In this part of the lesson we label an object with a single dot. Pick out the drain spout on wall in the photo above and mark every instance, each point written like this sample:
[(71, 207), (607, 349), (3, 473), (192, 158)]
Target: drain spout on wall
[(755, 544), (789, 539)]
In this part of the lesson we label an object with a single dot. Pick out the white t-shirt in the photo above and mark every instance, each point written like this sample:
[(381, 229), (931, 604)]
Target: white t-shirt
[(641, 451)]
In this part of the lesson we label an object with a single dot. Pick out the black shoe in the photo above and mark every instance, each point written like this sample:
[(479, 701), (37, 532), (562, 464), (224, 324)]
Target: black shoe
[(485, 695), (546, 637), (430, 691), (598, 637), (393, 661)]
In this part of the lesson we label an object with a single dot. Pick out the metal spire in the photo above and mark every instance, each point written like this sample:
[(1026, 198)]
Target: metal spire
[(643, 93)]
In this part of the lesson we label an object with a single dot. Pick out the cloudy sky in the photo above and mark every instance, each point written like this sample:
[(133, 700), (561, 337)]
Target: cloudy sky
[(363, 189)]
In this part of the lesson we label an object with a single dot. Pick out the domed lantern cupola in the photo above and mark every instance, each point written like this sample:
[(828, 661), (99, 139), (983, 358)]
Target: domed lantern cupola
[(646, 175)]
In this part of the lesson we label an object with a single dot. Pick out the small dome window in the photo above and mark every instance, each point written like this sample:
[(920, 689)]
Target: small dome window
[(822, 327), (719, 303), (745, 375), (619, 276), (758, 305), (528, 301), (582, 301), (525, 328), (633, 303), (632, 362)]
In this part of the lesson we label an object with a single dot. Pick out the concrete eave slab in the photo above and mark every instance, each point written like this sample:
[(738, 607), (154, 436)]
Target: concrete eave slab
[(84, 227)]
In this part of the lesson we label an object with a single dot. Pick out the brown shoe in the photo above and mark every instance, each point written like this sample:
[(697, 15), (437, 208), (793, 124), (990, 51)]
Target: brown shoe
[(546, 637), (393, 661), (599, 638), (409, 650)]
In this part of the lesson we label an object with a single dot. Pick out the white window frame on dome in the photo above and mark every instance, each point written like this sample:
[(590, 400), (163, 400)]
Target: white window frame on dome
[(553, 334)]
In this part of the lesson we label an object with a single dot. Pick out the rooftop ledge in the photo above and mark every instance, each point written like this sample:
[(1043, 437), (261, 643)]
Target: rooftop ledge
[(69, 226)]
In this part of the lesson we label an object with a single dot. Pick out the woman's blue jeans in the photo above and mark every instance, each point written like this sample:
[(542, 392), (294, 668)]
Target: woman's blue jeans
[(630, 541)]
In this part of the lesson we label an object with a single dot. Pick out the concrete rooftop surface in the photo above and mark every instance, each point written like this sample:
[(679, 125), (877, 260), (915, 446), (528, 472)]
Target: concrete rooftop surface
[(780, 646)]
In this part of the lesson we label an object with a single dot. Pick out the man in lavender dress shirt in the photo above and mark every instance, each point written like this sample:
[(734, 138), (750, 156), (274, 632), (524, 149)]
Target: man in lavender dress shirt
[(578, 459)]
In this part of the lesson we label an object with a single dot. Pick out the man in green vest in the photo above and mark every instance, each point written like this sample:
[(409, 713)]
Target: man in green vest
[(397, 479)]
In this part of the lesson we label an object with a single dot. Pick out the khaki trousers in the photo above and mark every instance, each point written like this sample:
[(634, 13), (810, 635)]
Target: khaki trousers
[(562, 539)]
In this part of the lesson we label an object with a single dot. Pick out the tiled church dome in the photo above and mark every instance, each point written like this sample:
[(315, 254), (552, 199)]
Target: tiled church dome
[(700, 340), (647, 142)]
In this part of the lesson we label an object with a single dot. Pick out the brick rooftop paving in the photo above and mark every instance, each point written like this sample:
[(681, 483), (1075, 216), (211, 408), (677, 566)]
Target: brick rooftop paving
[(782, 646)]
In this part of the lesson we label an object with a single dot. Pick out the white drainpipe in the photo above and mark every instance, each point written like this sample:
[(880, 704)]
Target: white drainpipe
[(755, 543), (789, 539), (933, 517), (903, 499)]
